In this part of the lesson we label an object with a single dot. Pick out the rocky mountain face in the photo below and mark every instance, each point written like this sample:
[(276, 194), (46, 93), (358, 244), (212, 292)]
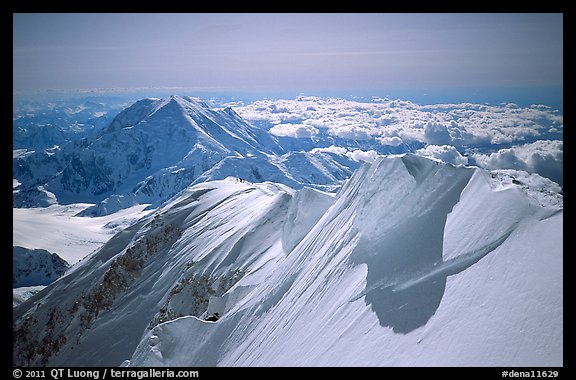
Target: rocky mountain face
[(31, 267)]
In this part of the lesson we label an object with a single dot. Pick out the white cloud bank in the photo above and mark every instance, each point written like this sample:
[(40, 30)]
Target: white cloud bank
[(363, 156), (391, 141), (355, 154), (435, 133), (443, 153), (330, 149), (388, 120), (544, 157), (294, 130), (398, 124)]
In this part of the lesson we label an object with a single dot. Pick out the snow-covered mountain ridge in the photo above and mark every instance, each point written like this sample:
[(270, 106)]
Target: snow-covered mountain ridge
[(31, 267), (413, 262), (157, 147)]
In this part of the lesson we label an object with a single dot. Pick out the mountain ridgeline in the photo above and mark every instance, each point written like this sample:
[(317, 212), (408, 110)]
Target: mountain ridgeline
[(31, 267), (412, 263), (157, 147)]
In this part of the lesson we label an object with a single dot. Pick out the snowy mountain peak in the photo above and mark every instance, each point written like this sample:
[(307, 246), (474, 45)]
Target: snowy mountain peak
[(157, 147), (181, 104), (150, 151), (229, 111), (409, 256), (133, 114)]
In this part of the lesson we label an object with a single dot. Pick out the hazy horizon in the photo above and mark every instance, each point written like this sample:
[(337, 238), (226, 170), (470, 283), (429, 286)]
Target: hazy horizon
[(444, 57)]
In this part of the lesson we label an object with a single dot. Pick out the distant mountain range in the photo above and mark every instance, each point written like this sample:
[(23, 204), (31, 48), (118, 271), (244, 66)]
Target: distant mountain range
[(157, 147), (44, 124)]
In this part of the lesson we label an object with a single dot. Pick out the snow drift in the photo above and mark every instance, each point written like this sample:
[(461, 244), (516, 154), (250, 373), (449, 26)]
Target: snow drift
[(413, 263)]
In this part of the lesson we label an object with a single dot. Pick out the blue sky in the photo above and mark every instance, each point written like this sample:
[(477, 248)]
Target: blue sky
[(281, 53)]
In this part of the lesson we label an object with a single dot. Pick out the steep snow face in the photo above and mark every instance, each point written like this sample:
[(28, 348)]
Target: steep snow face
[(305, 210), (168, 265), (32, 267), (416, 263), (413, 263)]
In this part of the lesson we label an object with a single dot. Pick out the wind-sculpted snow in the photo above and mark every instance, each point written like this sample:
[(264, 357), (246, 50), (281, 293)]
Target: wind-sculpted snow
[(305, 210), (407, 301), (406, 235), (412, 263)]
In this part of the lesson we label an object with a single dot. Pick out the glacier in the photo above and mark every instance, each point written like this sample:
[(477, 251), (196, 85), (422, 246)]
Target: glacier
[(411, 263)]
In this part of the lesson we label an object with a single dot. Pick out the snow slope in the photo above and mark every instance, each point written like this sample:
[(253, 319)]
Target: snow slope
[(413, 263)]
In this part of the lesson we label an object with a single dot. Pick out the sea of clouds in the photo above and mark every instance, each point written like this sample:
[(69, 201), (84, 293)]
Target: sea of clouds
[(503, 136)]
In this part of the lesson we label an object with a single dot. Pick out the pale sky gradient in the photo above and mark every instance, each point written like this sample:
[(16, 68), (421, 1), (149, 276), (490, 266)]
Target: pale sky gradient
[(272, 52)]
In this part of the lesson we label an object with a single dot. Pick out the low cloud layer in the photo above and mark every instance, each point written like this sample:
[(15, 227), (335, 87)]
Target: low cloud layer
[(436, 133), (294, 130), (391, 141), (544, 157), (385, 120), (444, 153), (493, 136), (355, 154)]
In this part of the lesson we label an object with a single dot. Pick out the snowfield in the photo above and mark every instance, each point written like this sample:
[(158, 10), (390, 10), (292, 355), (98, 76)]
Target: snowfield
[(58, 229), (412, 263)]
